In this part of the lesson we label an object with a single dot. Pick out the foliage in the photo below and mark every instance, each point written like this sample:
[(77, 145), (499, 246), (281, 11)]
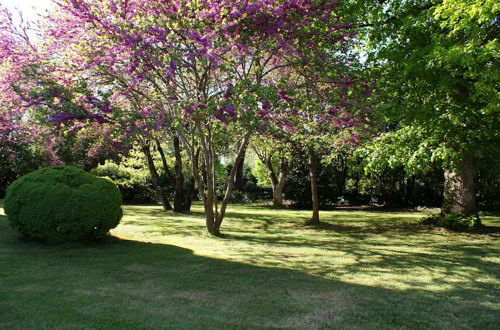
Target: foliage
[(134, 184), (63, 203), (409, 148), (18, 158), (436, 68), (251, 190), (298, 186), (259, 171), (488, 183), (452, 221), (133, 178), (88, 146)]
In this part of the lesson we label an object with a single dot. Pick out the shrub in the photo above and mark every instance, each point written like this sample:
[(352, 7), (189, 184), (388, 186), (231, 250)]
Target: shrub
[(452, 221), (63, 203), (134, 183)]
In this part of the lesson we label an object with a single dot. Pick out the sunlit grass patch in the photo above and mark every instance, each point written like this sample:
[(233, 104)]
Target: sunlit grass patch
[(359, 269)]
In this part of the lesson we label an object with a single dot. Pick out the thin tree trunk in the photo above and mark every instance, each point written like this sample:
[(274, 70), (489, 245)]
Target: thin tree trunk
[(189, 191), (209, 197), (182, 196), (285, 167), (207, 204), (239, 181), (314, 187), (459, 190), (230, 183), (155, 178), (163, 160), (277, 181), (277, 201)]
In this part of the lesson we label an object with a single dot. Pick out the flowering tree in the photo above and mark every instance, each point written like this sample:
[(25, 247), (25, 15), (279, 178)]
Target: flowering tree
[(24, 145), (210, 72)]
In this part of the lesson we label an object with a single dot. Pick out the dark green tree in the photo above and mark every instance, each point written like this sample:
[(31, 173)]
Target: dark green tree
[(435, 64)]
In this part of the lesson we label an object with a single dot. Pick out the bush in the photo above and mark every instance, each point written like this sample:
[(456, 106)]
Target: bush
[(452, 221), (63, 203), (134, 184)]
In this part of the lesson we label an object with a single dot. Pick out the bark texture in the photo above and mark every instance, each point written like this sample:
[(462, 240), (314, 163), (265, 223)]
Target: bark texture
[(312, 164), (459, 189), (183, 194), (155, 178), (239, 181), (277, 177)]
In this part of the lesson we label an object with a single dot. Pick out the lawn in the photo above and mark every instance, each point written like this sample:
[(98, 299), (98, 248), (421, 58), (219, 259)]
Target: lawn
[(361, 269)]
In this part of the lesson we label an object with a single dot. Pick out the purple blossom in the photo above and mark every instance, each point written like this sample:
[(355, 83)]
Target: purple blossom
[(105, 106), (204, 41), (172, 67), (147, 111), (334, 111), (284, 96), (230, 110), (228, 93)]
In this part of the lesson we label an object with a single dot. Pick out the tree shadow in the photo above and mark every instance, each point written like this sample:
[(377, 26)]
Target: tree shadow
[(133, 284)]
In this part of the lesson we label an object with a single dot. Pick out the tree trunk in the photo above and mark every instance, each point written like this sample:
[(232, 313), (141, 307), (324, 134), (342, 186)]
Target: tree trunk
[(278, 194), (155, 178), (163, 160), (206, 197), (285, 167), (210, 215), (207, 189), (459, 190), (239, 180), (230, 183), (188, 195), (182, 196), (314, 187)]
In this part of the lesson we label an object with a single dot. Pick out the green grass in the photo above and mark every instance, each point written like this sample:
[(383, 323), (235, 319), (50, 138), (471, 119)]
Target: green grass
[(360, 270)]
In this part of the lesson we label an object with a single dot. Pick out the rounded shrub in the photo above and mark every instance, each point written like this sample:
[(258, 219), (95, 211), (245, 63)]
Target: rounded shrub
[(62, 204)]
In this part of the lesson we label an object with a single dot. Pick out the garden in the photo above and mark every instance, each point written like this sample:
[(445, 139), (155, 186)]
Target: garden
[(262, 164)]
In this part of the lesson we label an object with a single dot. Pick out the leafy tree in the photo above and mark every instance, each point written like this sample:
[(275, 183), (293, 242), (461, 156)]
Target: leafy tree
[(277, 161), (437, 70), (208, 68)]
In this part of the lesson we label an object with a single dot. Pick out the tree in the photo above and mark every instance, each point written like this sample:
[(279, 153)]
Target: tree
[(436, 67), (208, 66), (24, 145), (211, 73), (278, 162)]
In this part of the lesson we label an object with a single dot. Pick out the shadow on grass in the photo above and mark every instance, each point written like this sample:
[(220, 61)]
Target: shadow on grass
[(133, 284)]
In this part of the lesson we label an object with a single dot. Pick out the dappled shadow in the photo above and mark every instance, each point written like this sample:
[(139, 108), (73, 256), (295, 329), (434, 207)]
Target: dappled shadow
[(132, 284), (372, 244), (487, 230), (353, 271)]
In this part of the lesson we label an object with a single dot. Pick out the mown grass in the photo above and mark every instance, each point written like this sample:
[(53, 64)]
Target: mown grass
[(359, 270)]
